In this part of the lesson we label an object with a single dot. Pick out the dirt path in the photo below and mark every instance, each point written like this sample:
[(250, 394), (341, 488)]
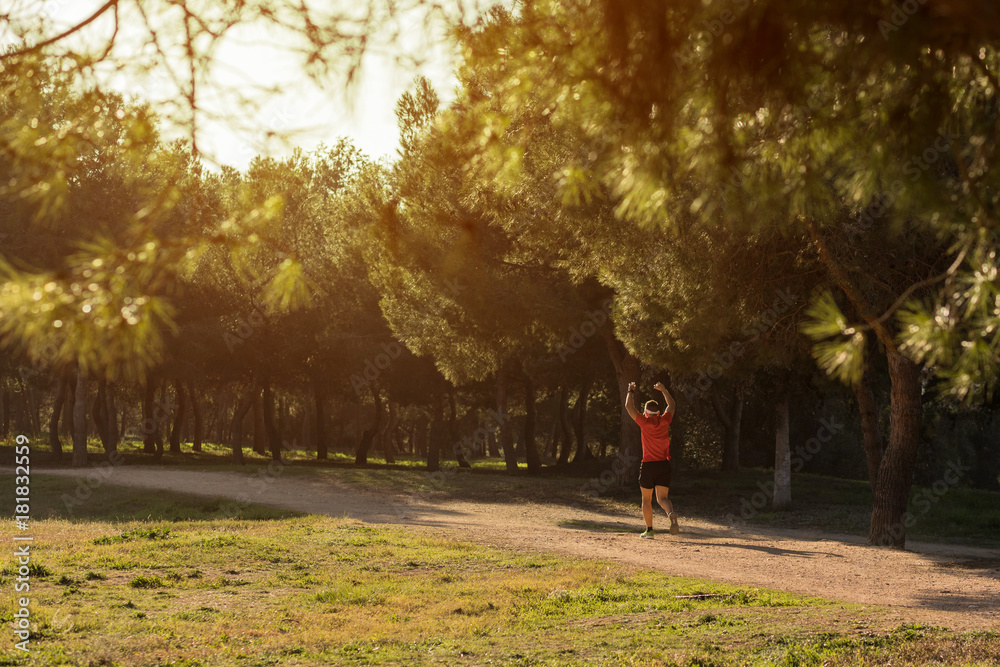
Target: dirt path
[(953, 586)]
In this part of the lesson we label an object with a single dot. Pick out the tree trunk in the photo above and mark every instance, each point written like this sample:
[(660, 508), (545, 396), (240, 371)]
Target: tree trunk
[(895, 473), (307, 425), (419, 441), (175, 430), (220, 419), (185, 421), (321, 444), (385, 433), (506, 435), (123, 421), (105, 417), (563, 428), (57, 406), (22, 418), (239, 415), (149, 422), (97, 413), (436, 434), (281, 421), (453, 430), (31, 399), (80, 422), (401, 436), (871, 434), (782, 457), (5, 399), (530, 446), (580, 410), (273, 439), (259, 429), (199, 424), (111, 418), (211, 415), (69, 405), (629, 442), (551, 450), (730, 417), (365, 443), (164, 410)]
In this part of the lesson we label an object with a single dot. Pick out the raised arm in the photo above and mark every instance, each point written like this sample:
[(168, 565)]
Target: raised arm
[(668, 399), (630, 401)]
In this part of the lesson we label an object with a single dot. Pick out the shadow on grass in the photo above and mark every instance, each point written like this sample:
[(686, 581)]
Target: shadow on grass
[(831, 505), (71, 499)]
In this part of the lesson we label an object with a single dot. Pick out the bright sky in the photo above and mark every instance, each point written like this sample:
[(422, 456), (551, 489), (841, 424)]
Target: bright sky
[(305, 113), (309, 114)]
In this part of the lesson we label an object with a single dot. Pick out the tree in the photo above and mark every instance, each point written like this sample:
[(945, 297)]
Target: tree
[(780, 135), (465, 288), (49, 131)]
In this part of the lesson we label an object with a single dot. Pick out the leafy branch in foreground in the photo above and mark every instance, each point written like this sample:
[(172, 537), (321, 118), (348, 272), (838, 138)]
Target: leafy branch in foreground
[(839, 347)]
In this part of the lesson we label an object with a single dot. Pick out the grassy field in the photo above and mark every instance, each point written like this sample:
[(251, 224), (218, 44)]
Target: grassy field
[(141, 579)]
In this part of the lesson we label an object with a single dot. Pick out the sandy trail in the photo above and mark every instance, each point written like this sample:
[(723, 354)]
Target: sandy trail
[(949, 585)]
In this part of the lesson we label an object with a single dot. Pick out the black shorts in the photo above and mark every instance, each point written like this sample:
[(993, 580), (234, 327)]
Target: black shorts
[(654, 473)]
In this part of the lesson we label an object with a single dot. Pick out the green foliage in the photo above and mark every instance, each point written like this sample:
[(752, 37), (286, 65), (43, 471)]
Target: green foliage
[(102, 316), (958, 331), (146, 581), (681, 125), (467, 278), (135, 534), (839, 347)]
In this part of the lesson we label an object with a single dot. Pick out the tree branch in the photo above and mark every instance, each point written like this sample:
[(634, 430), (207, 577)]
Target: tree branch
[(925, 283), (844, 281), (63, 35)]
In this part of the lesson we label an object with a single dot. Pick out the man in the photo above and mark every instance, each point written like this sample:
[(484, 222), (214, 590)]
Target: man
[(654, 471)]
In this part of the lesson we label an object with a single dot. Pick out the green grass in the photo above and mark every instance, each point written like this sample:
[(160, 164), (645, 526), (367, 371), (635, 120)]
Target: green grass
[(195, 587)]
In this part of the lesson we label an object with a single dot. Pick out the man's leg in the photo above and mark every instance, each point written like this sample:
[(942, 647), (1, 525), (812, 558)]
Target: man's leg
[(668, 507), (647, 508), (661, 497)]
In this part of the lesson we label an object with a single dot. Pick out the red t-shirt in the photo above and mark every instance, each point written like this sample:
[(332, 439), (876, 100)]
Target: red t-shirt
[(655, 436)]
